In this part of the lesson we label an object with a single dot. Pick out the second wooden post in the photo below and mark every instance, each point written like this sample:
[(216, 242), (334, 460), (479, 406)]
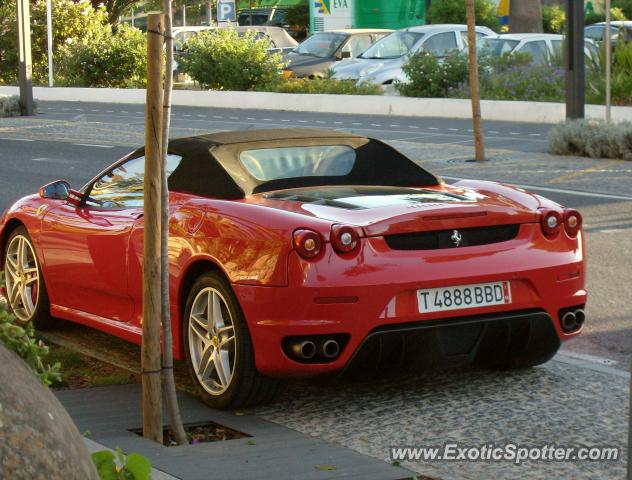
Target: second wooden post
[(150, 350)]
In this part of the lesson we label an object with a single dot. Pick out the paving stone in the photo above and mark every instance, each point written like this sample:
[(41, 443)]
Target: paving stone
[(558, 403)]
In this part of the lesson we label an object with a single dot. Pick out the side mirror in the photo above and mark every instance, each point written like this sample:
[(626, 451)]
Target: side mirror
[(345, 55), (57, 190)]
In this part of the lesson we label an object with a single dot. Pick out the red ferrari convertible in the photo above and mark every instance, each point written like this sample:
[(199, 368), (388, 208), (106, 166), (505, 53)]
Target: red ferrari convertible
[(302, 252)]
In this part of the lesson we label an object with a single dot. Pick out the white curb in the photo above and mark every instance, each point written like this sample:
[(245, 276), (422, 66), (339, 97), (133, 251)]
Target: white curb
[(533, 112)]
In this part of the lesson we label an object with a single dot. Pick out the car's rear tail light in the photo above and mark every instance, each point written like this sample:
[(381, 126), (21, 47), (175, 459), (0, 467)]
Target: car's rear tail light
[(551, 222), (572, 222), (344, 239), (307, 243)]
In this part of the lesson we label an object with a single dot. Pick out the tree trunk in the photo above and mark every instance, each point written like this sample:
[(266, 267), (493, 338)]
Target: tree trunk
[(479, 145), (175, 419), (525, 16), (150, 348)]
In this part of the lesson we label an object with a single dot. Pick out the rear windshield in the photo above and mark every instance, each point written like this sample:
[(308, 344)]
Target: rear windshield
[(292, 162)]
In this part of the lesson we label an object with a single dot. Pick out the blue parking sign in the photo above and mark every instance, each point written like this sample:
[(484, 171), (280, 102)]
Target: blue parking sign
[(226, 11)]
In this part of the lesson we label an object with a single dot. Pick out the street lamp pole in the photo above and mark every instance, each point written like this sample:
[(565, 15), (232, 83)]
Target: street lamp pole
[(608, 44), (575, 59), (49, 38)]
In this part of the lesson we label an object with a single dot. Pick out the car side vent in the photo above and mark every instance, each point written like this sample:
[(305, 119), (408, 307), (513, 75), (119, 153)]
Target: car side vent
[(463, 237)]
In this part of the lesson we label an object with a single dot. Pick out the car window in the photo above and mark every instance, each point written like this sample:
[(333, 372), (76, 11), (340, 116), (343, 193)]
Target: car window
[(357, 44), (122, 187), (497, 46), (395, 45), (295, 162), (479, 36), (537, 50), (440, 44), (595, 33), (321, 45)]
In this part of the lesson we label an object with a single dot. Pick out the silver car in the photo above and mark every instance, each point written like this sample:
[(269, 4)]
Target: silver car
[(382, 63)]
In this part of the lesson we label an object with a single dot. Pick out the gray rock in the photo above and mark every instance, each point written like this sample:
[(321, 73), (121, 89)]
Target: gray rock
[(38, 440)]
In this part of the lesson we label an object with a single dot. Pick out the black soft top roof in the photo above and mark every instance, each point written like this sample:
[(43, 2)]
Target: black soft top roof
[(211, 167)]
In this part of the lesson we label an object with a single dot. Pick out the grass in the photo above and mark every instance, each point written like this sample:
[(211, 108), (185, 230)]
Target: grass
[(80, 371)]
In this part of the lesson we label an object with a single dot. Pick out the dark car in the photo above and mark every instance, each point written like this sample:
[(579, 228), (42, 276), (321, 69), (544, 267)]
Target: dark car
[(314, 56)]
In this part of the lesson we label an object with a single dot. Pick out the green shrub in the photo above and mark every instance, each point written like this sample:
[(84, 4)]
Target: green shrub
[(9, 106), (132, 467), (22, 341), (525, 82), (453, 11), (324, 85), (223, 60), (621, 77), (114, 59), (625, 6), (616, 13), (596, 139), (428, 77), (553, 19), (72, 21)]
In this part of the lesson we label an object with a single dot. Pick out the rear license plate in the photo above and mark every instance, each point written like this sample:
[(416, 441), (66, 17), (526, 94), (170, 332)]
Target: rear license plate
[(463, 296)]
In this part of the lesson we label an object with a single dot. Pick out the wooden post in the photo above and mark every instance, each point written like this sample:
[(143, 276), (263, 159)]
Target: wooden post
[(479, 145), (171, 398), (150, 350)]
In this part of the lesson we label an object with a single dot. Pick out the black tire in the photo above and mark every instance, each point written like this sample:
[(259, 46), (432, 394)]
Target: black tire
[(40, 316), (247, 387)]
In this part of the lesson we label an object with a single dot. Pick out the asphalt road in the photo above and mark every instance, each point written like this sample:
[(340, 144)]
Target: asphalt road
[(525, 137), (91, 136)]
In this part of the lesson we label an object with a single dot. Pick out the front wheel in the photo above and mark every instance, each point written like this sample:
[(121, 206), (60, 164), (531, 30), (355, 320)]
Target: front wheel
[(26, 291), (218, 347)]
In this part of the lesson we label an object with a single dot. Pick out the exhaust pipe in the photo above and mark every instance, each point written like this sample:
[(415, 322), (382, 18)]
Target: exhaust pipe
[(569, 322), (580, 317), (305, 350), (329, 348)]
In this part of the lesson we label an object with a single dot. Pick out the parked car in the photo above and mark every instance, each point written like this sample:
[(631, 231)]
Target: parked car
[(542, 47), (182, 34), (620, 30), (313, 57), (382, 63), (280, 40), (303, 252)]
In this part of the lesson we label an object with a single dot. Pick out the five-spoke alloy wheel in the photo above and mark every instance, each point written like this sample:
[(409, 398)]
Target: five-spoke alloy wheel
[(25, 288), (218, 347), (212, 341)]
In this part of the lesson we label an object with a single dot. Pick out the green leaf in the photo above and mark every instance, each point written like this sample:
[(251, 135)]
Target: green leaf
[(326, 467), (121, 457), (251, 442), (104, 463), (138, 466)]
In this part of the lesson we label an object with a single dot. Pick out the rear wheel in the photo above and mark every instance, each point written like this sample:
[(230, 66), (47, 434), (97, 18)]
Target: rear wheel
[(218, 347), (26, 291)]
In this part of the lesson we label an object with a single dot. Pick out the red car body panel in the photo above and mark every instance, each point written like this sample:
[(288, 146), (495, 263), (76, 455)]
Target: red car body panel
[(280, 293), (91, 263)]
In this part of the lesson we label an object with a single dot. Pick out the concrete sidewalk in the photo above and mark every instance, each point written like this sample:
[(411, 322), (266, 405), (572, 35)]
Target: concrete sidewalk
[(272, 451)]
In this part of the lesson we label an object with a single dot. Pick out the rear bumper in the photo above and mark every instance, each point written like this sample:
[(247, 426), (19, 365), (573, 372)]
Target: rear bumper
[(485, 340), (375, 292)]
